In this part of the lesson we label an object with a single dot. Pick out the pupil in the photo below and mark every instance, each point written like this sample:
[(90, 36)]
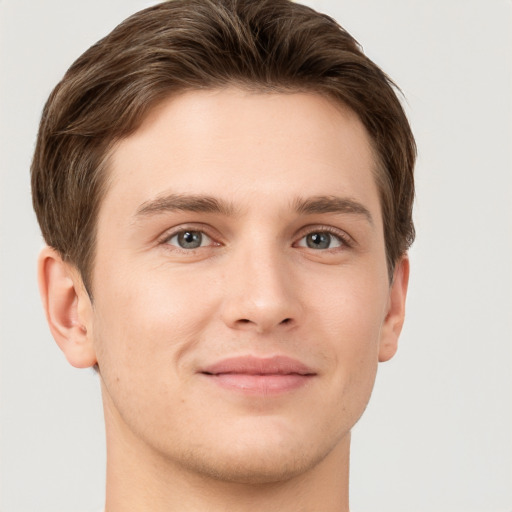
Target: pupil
[(318, 240), (190, 239)]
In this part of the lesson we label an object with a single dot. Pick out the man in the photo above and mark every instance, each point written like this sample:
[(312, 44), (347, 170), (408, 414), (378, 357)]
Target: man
[(225, 188)]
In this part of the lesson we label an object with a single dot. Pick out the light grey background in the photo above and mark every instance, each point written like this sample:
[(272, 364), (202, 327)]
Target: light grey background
[(437, 436)]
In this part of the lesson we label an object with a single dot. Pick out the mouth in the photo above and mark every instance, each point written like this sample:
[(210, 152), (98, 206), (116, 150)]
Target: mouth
[(260, 376)]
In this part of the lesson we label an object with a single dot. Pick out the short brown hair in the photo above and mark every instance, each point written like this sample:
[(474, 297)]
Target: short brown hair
[(179, 45)]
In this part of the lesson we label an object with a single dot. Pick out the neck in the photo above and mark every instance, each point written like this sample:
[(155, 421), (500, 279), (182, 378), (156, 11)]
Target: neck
[(140, 479)]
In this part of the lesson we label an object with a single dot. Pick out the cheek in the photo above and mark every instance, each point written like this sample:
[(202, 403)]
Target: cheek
[(353, 311), (353, 305), (145, 320), (141, 329)]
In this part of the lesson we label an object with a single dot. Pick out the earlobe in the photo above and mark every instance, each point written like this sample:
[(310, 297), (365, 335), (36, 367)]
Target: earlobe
[(395, 315), (67, 307)]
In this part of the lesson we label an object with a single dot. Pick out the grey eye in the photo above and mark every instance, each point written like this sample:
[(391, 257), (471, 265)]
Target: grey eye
[(320, 240), (189, 239)]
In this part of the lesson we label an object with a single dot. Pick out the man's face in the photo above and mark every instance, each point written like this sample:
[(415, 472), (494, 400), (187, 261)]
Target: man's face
[(241, 296)]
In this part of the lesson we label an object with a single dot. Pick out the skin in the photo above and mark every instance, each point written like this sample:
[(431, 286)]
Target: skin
[(161, 313)]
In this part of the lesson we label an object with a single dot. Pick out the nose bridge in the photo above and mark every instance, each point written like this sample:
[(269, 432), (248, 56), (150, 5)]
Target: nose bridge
[(260, 293)]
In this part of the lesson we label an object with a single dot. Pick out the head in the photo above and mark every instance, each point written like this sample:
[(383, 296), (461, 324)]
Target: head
[(227, 178), (177, 46)]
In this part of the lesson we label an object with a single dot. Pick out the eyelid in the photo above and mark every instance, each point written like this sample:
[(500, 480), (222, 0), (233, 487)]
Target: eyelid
[(206, 240), (343, 236), (213, 235), (176, 230)]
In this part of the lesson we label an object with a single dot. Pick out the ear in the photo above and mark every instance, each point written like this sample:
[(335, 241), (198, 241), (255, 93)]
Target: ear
[(68, 308), (395, 314)]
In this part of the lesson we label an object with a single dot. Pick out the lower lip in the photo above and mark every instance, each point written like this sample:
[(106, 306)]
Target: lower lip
[(260, 384)]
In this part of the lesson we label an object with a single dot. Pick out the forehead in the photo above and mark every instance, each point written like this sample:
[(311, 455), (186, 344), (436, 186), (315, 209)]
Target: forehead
[(231, 142)]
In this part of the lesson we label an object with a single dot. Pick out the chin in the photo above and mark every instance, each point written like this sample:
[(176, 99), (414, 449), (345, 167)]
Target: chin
[(253, 470), (243, 462)]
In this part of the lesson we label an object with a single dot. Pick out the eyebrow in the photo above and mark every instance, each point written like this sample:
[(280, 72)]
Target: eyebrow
[(210, 204), (331, 204), (189, 203)]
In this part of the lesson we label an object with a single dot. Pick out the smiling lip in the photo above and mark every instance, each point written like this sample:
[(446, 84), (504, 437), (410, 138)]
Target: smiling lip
[(256, 375)]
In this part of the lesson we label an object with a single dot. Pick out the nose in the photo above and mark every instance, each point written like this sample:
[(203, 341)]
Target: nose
[(260, 293)]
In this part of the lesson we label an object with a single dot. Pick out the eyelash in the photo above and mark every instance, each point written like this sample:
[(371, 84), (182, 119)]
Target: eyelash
[(164, 241), (345, 240)]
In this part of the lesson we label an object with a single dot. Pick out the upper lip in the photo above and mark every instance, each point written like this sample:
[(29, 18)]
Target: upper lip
[(251, 365)]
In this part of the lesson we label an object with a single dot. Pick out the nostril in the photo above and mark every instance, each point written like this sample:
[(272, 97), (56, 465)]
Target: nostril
[(246, 323)]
